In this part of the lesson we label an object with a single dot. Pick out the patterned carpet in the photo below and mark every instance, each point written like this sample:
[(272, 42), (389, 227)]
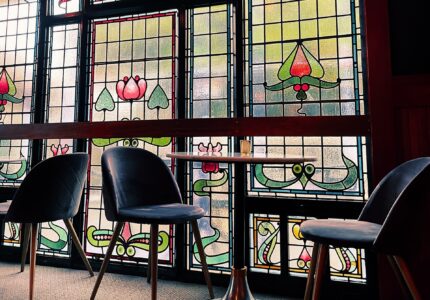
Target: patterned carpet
[(57, 283)]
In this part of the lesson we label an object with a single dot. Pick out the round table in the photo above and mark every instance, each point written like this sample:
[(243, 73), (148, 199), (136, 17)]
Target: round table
[(238, 288)]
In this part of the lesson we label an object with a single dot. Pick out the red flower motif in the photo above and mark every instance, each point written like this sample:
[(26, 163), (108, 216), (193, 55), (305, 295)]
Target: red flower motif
[(130, 89), (59, 150), (4, 85), (210, 167)]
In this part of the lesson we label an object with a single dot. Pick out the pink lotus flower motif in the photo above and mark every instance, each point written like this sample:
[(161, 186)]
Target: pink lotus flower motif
[(130, 89), (59, 150), (210, 167)]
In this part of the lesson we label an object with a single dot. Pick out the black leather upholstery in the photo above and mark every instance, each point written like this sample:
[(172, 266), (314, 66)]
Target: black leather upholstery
[(51, 190), (139, 187), (390, 198)]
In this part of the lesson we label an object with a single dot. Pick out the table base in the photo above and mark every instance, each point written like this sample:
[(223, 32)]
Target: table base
[(238, 288)]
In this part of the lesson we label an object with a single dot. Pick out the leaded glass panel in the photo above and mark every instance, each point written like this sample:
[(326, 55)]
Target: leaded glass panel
[(133, 77), (18, 20), (265, 248), (339, 172), (209, 95)]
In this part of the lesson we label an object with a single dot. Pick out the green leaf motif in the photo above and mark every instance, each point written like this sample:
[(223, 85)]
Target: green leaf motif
[(105, 101), (158, 98)]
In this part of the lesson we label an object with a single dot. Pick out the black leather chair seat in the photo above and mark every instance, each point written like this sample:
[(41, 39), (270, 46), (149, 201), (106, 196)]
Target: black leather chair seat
[(345, 233), (4, 207), (172, 213)]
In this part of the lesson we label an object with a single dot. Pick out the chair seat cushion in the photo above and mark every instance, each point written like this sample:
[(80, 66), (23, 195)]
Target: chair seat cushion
[(4, 207), (173, 213), (348, 233)]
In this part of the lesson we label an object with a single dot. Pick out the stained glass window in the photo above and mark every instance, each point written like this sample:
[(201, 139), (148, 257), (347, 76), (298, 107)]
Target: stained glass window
[(18, 20), (60, 95), (346, 264), (339, 172), (304, 59), (132, 78), (209, 58), (265, 237)]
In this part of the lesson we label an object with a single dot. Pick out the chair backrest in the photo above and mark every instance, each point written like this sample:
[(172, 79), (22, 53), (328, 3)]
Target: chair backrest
[(390, 188), (51, 190), (136, 177)]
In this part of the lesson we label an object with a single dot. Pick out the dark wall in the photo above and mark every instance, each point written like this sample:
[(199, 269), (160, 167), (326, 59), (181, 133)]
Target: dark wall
[(410, 31)]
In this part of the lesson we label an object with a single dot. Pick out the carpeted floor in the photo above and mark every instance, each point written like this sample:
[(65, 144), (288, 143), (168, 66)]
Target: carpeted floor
[(58, 283)]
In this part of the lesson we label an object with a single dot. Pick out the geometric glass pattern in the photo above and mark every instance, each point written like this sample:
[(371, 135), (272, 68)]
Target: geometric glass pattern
[(60, 95), (339, 172), (304, 59), (209, 95), (18, 20), (265, 248), (133, 77), (346, 264)]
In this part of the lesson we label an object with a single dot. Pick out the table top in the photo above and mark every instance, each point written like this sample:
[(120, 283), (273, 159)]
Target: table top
[(241, 158)]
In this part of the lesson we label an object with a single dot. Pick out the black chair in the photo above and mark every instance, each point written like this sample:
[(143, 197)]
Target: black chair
[(380, 226), (139, 187), (51, 191)]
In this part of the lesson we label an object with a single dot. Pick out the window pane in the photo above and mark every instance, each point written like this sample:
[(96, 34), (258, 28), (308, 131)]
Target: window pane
[(133, 77), (304, 58), (209, 95), (18, 20), (339, 172)]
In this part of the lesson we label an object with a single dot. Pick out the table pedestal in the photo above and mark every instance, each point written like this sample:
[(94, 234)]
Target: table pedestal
[(238, 288)]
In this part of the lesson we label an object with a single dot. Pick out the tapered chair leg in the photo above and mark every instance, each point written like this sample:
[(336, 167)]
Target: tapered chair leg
[(33, 246), (25, 241), (319, 270), (311, 274), (153, 249), (202, 255), (112, 243), (148, 275), (407, 277), (78, 245)]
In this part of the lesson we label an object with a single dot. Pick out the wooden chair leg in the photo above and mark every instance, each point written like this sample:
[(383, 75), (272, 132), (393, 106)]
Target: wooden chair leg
[(399, 276), (202, 254), (148, 274), (78, 245), (25, 238), (112, 244), (33, 248), (153, 248), (407, 277), (311, 274), (319, 270)]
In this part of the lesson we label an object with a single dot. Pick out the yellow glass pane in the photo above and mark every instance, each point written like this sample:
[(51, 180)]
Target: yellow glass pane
[(344, 25), (327, 27), (328, 48), (308, 9), (126, 31), (273, 13), (290, 31), (273, 32), (290, 11), (309, 29), (326, 8)]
